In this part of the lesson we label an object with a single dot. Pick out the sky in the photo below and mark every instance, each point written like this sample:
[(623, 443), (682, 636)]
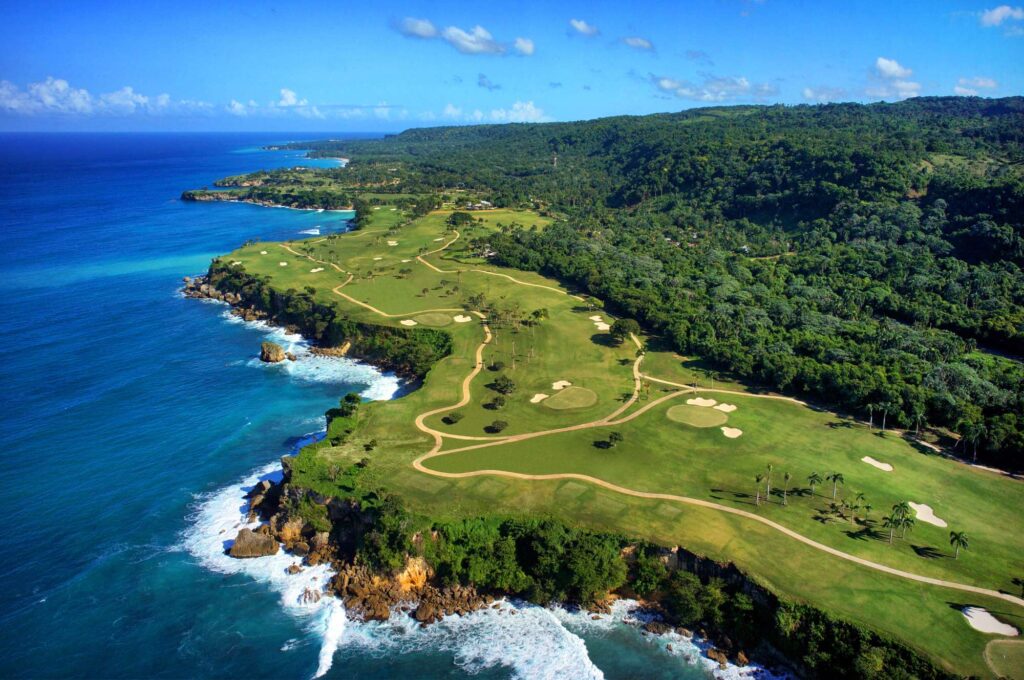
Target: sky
[(387, 66)]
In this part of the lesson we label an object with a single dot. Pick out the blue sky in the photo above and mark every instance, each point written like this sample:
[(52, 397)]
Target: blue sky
[(373, 66)]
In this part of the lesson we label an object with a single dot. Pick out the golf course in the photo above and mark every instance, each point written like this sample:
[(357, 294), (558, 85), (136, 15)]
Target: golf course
[(546, 406)]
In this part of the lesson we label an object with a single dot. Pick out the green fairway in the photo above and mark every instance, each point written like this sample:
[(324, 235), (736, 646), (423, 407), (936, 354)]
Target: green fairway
[(540, 340)]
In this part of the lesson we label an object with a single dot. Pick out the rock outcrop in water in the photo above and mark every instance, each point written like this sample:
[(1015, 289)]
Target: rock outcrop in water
[(272, 353), (249, 543)]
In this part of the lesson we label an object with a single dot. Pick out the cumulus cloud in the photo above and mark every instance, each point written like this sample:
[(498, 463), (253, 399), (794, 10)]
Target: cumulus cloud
[(583, 28), (476, 40), (638, 43), (483, 81), (524, 46), (893, 83), (519, 112), (451, 112), (890, 68), (417, 28), (822, 95), (289, 98), (971, 87), (55, 96), (997, 15), (715, 88)]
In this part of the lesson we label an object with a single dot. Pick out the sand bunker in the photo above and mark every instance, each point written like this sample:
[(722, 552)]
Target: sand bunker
[(439, 238), (377, 258), (404, 261), (601, 324), (731, 432), (925, 514), (407, 322), (560, 384), (596, 317), (981, 620), (725, 408), (537, 398), (314, 270), (394, 209), (701, 401), (392, 243), (263, 252), (877, 463), (462, 318), (236, 262), (283, 264)]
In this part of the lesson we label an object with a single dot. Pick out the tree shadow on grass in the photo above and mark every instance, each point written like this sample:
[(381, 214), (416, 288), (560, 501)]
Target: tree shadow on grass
[(843, 424), (605, 340), (927, 552), (740, 497), (864, 533), (602, 444)]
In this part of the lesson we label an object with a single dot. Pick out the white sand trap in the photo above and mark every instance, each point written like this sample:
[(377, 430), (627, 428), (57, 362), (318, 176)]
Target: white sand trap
[(263, 252), (596, 317), (377, 258), (407, 322), (877, 463), (392, 243), (283, 264), (925, 514), (236, 262), (725, 408), (404, 261), (462, 318), (602, 326), (981, 620), (537, 398), (394, 209), (701, 401), (439, 238), (316, 270), (560, 384), (731, 432)]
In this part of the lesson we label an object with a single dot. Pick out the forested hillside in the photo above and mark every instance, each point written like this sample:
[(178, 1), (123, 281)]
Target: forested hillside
[(867, 256)]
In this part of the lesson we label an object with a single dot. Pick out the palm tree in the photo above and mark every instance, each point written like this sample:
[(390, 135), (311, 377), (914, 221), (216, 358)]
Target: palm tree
[(785, 490), (906, 523), (814, 479), (958, 539), (757, 497), (768, 486), (836, 478), (890, 522)]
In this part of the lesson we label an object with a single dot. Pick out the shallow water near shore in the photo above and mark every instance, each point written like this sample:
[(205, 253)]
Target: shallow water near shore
[(133, 419)]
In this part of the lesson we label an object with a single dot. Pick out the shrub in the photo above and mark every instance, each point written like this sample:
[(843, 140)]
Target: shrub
[(496, 426)]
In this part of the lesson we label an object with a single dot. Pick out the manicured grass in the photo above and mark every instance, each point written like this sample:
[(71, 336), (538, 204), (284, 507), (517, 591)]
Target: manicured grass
[(657, 452), (571, 398), (697, 416), (1006, 657)]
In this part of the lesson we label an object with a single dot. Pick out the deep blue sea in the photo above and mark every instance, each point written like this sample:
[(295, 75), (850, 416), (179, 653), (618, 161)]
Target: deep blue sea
[(133, 418)]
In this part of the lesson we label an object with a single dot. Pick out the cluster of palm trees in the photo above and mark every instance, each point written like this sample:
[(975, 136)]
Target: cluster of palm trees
[(899, 519), (767, 477)]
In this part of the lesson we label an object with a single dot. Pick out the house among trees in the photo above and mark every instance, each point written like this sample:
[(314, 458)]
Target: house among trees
[(481, 205)]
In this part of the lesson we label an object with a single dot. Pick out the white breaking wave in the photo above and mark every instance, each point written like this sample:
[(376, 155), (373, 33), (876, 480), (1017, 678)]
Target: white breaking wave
[(315, 368), (315, 231)]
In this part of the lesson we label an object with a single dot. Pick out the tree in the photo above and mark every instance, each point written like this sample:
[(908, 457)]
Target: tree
[(757, 497), (905, 524), (496, 427), (623, 328), (814, 479), (453, 417), (958, 539), (836, 478), (768, 485), (614, 438), (503, 384), (891, 523), (785, 489)]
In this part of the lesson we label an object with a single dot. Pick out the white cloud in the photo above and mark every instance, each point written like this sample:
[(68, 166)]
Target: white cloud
[(417, 28), (970, 87), (997, 15), (289, 98), (715, 88), (521, 112), (55, 96), (890, 68), (583, 28), (237, 108), (823, 95), (452, 112), (382, 111), (524, 46), (638, 43), (477, 40)]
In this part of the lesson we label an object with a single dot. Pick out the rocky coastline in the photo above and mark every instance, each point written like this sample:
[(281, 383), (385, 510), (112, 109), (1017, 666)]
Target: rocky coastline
[(214, 196)]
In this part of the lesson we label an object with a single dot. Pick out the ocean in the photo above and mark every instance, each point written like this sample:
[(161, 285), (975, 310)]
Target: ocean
[(133, 419)]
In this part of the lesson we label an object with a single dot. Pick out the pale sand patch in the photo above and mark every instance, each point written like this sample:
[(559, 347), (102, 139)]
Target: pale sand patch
[(263, 252), (407, 322), (560, 384), (236, 262), (377, 208), (701, 401), (315, 270), (283, 264), (602, 326), (925, 514), (392, 243), (980, 619), (731, 432), (377, 258), (462, 318), (404, 261), (394, 209), (725, 408), (596, 317), (537, 398), (439, 238), (877, 463)]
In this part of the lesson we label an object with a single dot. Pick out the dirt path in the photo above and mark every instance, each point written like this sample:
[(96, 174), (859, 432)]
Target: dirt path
[(437, 250)]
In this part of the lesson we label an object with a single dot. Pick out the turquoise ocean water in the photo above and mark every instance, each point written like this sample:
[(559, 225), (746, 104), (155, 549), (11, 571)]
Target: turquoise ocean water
[(133, 418)]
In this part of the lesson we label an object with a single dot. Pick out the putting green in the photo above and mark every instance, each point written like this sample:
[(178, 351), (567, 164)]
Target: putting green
[(1006, 657), (571, 397), (434, 319), (697, 416)]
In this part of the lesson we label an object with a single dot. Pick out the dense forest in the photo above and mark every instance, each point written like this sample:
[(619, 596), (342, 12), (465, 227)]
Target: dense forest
[(867, 256)]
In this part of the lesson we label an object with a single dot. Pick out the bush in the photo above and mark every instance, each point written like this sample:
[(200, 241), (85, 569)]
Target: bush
[(452, 418), (496, 427), (503, 384)]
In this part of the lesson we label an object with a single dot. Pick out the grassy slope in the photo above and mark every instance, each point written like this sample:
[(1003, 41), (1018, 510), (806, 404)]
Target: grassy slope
[(657, 454)]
